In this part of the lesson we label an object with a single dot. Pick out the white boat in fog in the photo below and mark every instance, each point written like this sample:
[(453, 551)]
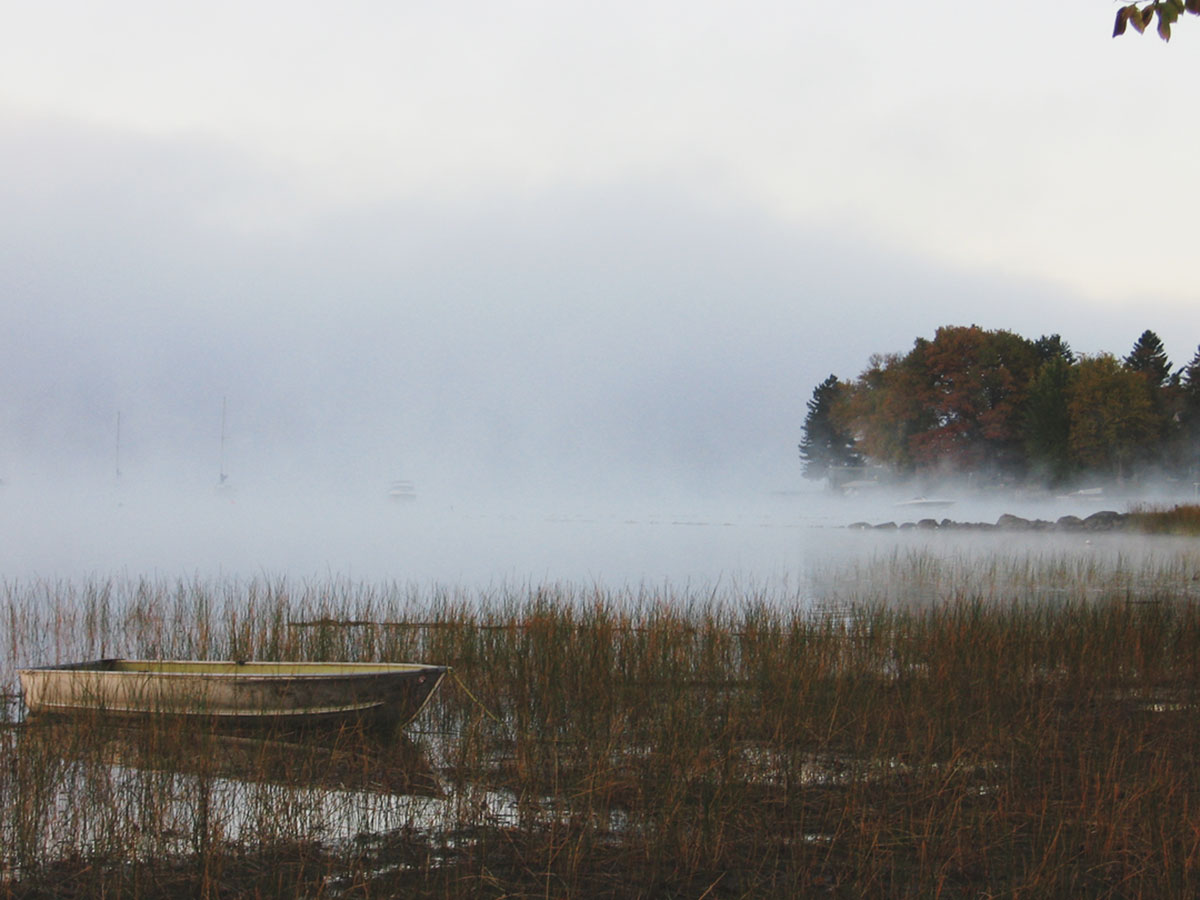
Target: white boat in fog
[(1085, 494), (930, 502), (401, 491)]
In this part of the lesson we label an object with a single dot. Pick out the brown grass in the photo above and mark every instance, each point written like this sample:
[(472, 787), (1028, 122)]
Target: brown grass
[(632, 745), (1183, 519)]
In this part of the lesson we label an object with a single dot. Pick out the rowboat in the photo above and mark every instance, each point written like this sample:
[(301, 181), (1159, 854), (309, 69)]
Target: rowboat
[(234, 692)]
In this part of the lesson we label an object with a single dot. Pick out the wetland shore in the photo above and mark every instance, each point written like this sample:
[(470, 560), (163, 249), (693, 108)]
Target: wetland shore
[(645, 743)]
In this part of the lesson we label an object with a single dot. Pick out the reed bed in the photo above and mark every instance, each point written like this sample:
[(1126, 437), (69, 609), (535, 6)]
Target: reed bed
[(640, 743), (1182, 519)]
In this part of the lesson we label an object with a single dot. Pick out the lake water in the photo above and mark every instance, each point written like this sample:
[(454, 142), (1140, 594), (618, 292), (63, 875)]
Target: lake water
[(769, 538)]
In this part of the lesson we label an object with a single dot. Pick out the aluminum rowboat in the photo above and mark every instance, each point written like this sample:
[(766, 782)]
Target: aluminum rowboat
[(241, 693)]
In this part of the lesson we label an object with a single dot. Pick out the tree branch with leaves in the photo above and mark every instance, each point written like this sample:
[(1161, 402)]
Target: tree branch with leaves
[(1140, 17)]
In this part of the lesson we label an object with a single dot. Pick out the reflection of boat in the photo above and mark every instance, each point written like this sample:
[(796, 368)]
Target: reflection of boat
[(241, 693), (330, 759), (402, 491), (925, 502)]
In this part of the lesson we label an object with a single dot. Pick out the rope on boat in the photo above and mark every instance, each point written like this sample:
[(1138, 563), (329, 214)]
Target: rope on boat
[(491, 715)]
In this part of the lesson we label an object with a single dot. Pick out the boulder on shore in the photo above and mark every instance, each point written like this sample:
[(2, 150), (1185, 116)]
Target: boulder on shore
[(1105, 520)]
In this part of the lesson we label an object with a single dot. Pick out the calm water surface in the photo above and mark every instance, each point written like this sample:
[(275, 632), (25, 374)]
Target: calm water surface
[(757, 539)]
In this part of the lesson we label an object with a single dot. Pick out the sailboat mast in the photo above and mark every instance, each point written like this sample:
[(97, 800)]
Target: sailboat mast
[(223, 475)]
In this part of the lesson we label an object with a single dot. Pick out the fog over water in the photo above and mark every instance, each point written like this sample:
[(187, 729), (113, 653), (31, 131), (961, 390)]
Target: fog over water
[(772, 541), (574, 278), (600, 387)]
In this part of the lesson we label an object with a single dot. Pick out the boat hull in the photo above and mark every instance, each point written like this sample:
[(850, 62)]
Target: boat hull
[(237, 693)]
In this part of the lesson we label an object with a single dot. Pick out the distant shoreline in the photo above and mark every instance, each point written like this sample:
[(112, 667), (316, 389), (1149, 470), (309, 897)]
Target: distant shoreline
[(1183, 520)]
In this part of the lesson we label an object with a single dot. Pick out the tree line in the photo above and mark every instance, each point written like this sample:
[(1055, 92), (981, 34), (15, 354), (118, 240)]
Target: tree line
[(1005, 408)]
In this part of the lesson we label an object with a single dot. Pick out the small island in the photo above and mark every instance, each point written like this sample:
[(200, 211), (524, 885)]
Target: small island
[(994, 409)]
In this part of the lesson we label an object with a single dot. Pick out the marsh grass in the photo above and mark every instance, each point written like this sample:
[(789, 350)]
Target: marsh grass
[(989, 740), (1183, 519)]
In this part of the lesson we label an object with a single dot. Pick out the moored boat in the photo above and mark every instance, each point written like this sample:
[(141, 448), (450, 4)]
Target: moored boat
[(402, 491), (926, 502), (233, 692)]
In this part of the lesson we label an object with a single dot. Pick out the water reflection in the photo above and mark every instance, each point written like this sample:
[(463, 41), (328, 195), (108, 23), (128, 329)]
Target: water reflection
[(351, 758), (92, 789)]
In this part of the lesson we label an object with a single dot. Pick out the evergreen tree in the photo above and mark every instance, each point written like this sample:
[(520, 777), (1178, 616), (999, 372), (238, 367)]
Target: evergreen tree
[(1047, 422), (1189, 380), (1052, 346), (826, 445), (1189, 416), (1149, 358)]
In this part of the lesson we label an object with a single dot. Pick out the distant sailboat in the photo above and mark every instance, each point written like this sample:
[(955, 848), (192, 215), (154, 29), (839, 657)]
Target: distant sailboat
[(223, 486), (118, 453)]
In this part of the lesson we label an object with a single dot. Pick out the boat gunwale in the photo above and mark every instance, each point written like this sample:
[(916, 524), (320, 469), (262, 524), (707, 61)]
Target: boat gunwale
[(248, 670)]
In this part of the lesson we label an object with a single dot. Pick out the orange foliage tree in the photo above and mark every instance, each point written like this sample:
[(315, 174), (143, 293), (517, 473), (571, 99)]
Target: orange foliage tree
[(953, 402), (977, 382)]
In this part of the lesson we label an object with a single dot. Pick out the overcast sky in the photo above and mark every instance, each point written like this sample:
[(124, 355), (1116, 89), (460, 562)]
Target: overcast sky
[(472, 241)]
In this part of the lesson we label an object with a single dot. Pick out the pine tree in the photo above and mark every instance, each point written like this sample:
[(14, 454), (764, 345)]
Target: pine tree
[(1190, 378), (825, 445), (1149, 358), (1047, 427), (1052, 346), (1189, 414)]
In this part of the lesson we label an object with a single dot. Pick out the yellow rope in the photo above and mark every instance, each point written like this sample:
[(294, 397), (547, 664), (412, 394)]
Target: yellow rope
[(491, 715)]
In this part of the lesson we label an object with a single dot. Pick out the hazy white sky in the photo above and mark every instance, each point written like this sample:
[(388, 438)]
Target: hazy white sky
[(648, 228)]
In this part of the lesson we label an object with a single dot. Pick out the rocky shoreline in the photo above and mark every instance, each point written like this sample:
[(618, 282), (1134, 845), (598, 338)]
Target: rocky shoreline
[(1105, 520)]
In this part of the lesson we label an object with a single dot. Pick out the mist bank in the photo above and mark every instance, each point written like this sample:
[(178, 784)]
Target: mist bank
[(618, 334), (446, 535)]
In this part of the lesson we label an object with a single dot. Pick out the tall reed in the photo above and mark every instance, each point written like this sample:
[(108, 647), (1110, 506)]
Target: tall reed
[(986, 741)]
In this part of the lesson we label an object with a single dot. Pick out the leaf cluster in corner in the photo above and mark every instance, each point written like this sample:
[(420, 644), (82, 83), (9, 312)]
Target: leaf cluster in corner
[(1167, 12)]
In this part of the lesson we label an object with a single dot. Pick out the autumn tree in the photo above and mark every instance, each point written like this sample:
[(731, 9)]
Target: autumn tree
[(976, 382), (1112, 418), (996, 403), (885, 407), (826, 444)]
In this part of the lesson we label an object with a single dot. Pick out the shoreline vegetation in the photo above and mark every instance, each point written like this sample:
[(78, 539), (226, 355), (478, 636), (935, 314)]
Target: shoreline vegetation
[(962, 739)]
